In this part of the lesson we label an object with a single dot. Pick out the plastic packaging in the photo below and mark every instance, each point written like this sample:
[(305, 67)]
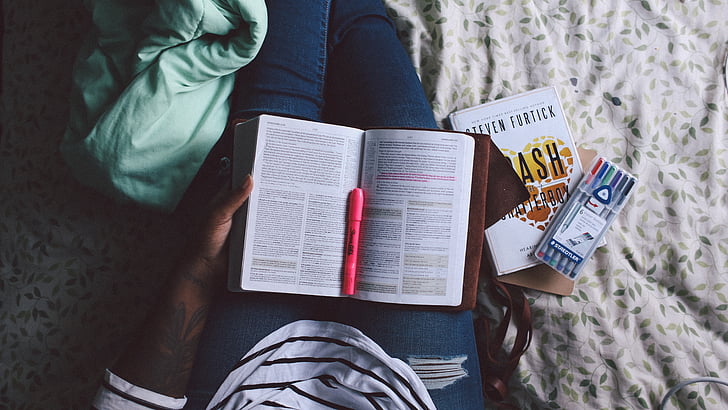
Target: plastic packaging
[(571, 239)]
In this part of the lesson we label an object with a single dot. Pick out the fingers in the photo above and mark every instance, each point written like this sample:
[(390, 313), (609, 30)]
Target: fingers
[(208, 244), (234, 199)]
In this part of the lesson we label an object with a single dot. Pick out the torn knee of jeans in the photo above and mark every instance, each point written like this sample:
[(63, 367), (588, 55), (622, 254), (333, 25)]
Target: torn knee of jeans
[(438, 372)]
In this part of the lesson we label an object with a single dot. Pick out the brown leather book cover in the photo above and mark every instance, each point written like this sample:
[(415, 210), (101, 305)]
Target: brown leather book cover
[(495, 191), (476, 222)]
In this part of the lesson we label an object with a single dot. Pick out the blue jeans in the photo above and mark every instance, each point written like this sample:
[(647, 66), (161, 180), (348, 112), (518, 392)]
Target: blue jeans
[(338, 61), (238, 321)]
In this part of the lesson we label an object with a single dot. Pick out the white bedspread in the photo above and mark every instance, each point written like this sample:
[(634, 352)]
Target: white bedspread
[(643, 84)]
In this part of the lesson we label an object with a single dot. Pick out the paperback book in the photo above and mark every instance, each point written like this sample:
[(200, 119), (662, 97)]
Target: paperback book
[(532, 132)]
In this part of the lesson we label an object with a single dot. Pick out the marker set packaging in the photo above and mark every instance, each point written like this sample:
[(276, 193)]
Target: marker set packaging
[(571, 239)]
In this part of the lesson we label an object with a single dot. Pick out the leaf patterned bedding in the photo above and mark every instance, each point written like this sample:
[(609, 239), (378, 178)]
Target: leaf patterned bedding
[(643, 83)]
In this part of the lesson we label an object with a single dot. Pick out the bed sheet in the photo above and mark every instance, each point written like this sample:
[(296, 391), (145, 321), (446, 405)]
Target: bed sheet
[(642, 82)]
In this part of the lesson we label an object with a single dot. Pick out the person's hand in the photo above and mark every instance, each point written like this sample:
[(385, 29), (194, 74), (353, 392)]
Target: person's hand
[(161, 357), (207, 247)]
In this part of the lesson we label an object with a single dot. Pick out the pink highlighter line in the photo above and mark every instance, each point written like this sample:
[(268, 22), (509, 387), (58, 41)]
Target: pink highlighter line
[(356, 209)]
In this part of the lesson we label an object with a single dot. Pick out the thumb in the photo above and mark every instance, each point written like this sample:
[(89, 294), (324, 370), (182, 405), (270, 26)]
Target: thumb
[(231, 201)]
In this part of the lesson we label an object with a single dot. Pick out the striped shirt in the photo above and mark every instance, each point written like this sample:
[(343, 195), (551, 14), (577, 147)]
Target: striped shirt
[(311, 365)]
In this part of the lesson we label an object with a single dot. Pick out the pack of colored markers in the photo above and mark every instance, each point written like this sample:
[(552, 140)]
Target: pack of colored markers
[(573, 236)]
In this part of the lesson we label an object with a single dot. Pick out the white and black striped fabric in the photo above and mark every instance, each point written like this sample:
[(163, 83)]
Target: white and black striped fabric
[(303, 365), (310, 365)]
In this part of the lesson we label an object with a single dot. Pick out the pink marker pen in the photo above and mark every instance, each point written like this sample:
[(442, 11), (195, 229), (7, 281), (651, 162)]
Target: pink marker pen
[(356, 209)]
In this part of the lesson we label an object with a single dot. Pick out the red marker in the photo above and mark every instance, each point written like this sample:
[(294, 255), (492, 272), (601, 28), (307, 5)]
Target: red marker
[(356, 209), (593, 171)]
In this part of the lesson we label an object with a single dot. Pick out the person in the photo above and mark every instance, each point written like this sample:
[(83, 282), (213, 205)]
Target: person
[(337, 61)]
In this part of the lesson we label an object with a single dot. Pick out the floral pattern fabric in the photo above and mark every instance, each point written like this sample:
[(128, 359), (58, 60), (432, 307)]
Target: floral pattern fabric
[(642, 82)]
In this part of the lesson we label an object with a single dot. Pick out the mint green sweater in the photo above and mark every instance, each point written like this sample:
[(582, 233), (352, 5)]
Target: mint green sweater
[(150, 92)]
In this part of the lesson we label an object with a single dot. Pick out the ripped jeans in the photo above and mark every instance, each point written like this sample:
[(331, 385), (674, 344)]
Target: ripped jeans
[(439, 346), (340, 62)]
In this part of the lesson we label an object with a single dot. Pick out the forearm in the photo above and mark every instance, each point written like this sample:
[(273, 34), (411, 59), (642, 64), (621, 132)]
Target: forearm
[(161, 356)]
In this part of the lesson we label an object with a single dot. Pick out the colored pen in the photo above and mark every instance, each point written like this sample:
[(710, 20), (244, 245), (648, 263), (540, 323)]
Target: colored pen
[(356, 209), (546, 251), (622, 192), (617, 184), (546, 254), (603, 191), (582, 196), (566, 265)]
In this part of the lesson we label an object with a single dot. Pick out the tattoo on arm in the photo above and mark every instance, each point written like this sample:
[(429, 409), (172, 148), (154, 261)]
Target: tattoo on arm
[(195, 280), (174, 347), (162, 355), (166, 354)]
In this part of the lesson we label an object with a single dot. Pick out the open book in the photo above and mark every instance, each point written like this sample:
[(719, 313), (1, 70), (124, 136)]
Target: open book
[(424, 211)]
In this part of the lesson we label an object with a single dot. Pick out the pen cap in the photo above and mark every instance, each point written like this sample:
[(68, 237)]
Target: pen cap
[(356, 204)]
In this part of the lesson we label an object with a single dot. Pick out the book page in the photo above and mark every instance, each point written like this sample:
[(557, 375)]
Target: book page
[(296, 224), (417, 188)]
